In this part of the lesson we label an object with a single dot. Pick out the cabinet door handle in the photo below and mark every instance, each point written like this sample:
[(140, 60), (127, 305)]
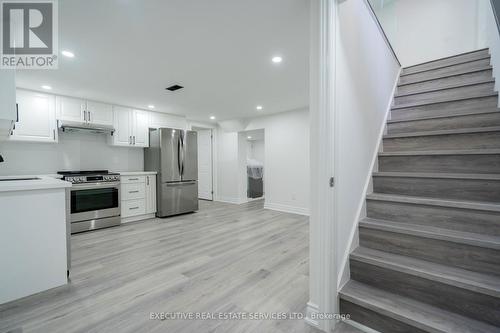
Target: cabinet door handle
[(147, 180), (130, 140), (54, 134), (84, 115), (134, 140), (133, 179), (132, 208), (133, 191), (89, 116)]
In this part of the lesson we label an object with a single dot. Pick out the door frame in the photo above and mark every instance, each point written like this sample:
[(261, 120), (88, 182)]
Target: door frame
[(323, 272)]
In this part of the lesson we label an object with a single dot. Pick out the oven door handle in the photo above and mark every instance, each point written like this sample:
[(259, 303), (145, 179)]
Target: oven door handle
[(75, 187)]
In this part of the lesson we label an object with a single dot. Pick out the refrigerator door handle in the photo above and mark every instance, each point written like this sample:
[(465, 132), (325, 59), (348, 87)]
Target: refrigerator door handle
[(179, 155), (181, 137)]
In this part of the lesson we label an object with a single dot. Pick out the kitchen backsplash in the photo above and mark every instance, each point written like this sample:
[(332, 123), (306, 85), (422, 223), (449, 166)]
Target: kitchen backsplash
[(75, 151)]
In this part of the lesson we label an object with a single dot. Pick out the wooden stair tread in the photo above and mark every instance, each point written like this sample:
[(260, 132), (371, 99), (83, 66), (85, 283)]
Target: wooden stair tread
[(459, 237), (479, 51), (474, 205), (443, 152), (475, 176), (454, 115), (414, 313), (444, 76), (449, 87), (461, 278), (403, 74), (444, 132), (453, 99)]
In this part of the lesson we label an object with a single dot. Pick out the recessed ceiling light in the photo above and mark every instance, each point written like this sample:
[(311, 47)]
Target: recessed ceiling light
[(249, 137), (259, 107), (151, 106), (68, 54), (212, 117), (277, 59), (46, 87)]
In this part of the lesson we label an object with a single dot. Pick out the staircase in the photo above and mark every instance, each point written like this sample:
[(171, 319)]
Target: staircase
[(429, 254)]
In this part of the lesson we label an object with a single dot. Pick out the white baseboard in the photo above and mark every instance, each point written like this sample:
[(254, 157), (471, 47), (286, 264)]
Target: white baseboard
[(312, 309), (343, 277), (287, 208), (236, 201), (138, 218)]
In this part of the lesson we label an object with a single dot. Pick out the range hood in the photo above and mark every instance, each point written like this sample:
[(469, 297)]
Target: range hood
[(73, 126)]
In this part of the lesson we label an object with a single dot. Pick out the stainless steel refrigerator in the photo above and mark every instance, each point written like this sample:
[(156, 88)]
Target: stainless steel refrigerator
[(173, 154)]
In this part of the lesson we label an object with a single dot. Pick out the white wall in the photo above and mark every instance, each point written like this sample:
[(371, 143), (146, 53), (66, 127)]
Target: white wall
[(75, 151), (425, 30), (256, 150), (286, 159), (227, 167), (366, 74), (488, 35)]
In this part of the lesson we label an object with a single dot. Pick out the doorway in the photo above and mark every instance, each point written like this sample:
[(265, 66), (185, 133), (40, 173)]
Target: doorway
[(255, 160)]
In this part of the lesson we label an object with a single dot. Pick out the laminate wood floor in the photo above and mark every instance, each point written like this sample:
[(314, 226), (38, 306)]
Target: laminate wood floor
[(225, 258)]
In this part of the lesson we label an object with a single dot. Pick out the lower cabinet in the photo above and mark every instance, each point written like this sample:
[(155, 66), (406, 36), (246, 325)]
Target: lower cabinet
[(138, 197)]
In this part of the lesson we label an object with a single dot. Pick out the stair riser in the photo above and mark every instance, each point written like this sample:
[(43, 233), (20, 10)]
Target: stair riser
[(437, 73), (474, 258), (487, 140), (462, 301), (445, 95), (468, 78), (475, 221), (444, 188), (441, 163), (447, 109), (470, 121), (446, 62), (375, 320)]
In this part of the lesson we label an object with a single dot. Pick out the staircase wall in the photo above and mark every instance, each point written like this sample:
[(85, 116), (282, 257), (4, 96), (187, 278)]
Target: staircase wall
[(366, 76)]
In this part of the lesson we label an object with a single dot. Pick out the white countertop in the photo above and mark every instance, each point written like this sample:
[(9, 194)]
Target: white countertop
[(137, 173), (42, 183)]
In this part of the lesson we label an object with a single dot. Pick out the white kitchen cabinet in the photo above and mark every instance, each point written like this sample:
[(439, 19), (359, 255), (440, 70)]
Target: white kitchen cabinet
[(138, 197), (37, 118), (131, 127), (84, 112), (140, 130), (70, 109), (159, 120), (150, 194), (99, 113), (122, 123), (8, 114)]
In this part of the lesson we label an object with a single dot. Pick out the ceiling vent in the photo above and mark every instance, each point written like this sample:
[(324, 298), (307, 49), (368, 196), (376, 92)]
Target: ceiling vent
[(174, 87)]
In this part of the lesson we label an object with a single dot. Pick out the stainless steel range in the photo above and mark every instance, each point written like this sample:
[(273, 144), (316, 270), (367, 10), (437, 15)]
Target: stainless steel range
[(95, 199)]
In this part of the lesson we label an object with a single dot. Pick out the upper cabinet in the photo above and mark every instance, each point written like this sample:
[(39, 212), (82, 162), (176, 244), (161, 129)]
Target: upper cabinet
[(36, 118), (70, 109), (131, 127), (8, 114), (158, 120), (99, 113), (84, 112)]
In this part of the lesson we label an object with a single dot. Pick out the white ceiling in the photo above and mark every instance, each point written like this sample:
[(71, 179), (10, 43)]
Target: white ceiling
[(129, 51)]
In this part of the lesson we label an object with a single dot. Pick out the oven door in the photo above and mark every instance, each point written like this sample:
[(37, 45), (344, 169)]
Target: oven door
[(94, 201)]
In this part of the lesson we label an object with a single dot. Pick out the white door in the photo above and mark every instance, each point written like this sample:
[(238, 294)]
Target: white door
[(37, 117), (140, 130), (100, 113), (122, 122), (70, 109), (205, 189)]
